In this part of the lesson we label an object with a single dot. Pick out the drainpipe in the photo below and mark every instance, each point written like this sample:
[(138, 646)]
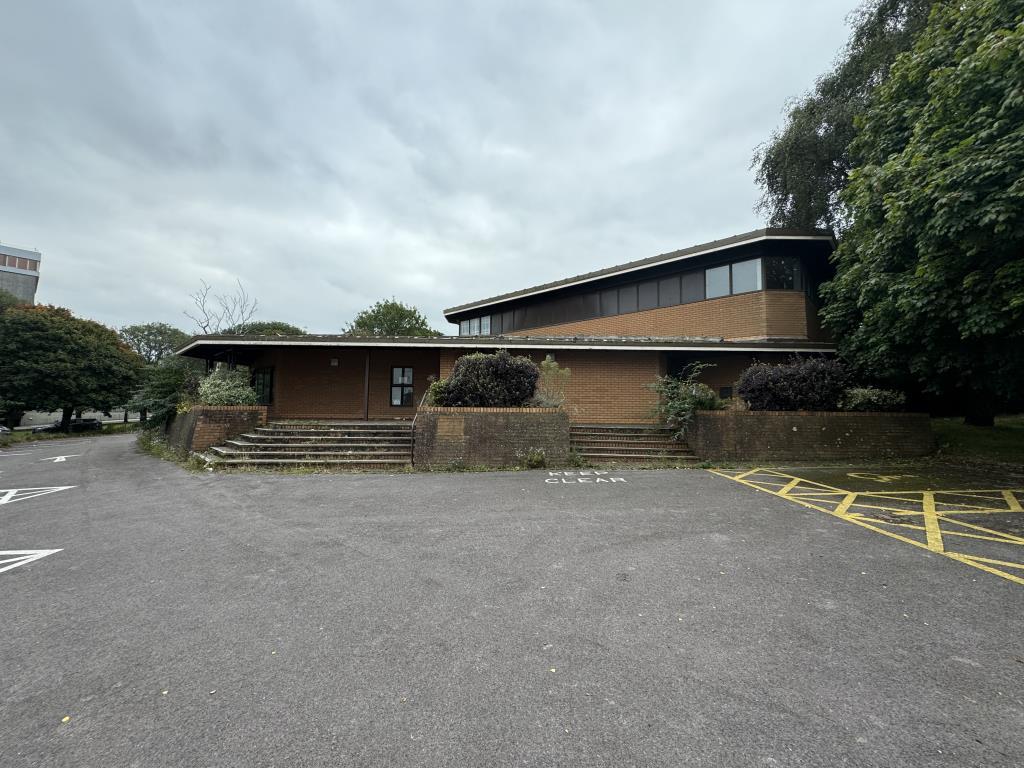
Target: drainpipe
[(366, 388)]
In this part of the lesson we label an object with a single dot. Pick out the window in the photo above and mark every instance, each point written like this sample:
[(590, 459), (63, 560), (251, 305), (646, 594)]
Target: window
[(262, 381), (746, 276), (668, 291), (716, 282), (474, 326), (496, 325), (401, 386), (627, 299), (464, 328), (725, 393), (693, 287), (507, 323), (485, 325), (648, 295), (783, 273)]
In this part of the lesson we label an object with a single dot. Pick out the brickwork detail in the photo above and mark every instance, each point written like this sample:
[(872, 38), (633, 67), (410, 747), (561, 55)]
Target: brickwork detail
[(208, 425), (808, 435), (488, 437)]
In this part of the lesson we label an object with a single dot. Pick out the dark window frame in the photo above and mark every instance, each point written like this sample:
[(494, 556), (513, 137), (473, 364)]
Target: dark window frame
[(402, 388), (262, 381)]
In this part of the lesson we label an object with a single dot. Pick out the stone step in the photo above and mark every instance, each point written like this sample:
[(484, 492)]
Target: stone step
[(385, 456), (640, 441), (336, 463), (247, 447), (334, 434), (354, 426), (597, 458), (626, 450), (621, 433), (263, 437)]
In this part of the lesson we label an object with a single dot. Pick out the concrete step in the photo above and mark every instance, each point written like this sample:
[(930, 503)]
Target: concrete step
[(317, 437), (386, 456), (333, 433), (353, 426), (640, 441), (247, 447), (639, 458), (627, 450), (334, 463)]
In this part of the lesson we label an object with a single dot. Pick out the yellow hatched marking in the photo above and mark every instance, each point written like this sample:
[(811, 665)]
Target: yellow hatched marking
[(805, 492)]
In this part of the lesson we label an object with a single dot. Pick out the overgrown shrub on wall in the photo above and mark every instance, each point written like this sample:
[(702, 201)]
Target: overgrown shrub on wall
[(803, 384), (551, 384), (872, 399), (680, 396), (227, 387), (497, 380)]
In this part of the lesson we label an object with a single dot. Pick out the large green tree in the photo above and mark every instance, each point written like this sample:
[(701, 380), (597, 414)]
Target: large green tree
[(930, 275), (390, 318), (804, 166), (153, 341), (266, 328), (51, 360)]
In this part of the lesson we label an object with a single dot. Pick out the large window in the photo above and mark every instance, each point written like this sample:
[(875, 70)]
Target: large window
[(401, 386), (263, 383), (783, 273), (485, 325), (746, 276), (716, 282)]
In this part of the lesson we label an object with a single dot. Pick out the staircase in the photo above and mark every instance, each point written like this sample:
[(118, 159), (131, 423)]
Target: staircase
[(628, 444), (333, 444)]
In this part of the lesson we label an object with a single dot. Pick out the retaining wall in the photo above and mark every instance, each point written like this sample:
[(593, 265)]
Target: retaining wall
[(488, 437), (208, 425), (809, 435)]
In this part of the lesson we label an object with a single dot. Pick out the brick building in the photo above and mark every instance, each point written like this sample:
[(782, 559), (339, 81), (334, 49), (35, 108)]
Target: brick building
[(729, 302)]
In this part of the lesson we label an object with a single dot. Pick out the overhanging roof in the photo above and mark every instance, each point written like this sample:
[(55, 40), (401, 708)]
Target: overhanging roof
[(664, 258), (213, 345)]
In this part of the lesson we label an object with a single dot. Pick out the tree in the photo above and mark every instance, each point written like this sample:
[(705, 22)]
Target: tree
[(153, 341), (390, 318), (266, 328), (215, 312), (8, 300), (166, 385), (803, 168), (51, 360), (930, 280)]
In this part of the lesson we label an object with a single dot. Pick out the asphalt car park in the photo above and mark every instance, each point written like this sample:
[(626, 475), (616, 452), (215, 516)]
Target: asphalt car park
[(788, 616)]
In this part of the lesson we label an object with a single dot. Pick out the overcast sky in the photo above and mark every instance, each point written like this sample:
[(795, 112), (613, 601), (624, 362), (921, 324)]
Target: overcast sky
[(329, 152)]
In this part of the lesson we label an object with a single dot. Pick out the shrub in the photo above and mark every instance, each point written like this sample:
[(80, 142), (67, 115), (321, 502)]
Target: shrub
[(803, 384), (480, 380), (551, 384), (872, 399), (166, 387), (533, 458), (226, 387), (682, 395)]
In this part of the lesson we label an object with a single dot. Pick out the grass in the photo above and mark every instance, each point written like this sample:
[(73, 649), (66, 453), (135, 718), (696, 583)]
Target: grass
[(1003, 443)]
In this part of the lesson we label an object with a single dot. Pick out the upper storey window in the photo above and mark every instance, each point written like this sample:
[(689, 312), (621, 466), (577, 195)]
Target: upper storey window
[(716, 282), (783, 273), (746, 276)]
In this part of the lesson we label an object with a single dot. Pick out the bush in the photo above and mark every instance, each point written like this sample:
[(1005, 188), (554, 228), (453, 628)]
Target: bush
[(490, 381), (551, 384), (682, 395), (803, 384), (533, 458), (227, 387), (872, 399), (166, 386)]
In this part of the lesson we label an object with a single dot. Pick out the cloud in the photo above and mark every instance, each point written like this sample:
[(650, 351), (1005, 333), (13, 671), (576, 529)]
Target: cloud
[(332, 154)]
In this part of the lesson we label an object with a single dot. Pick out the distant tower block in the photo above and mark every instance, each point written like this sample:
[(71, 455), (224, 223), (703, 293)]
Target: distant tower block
[(19, 272)]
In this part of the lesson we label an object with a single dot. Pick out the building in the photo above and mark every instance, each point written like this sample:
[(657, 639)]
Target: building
[(729, 302), (19, 272)]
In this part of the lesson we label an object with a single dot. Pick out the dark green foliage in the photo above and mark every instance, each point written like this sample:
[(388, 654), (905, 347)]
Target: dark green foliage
[(681, 396), (53, 361), (227, 387), (390, 318), (804, 166), (166, 385), (872, 399), (8, 300), (803, 384), (930, 279), (153, 341), (480, 380), (265, 328)]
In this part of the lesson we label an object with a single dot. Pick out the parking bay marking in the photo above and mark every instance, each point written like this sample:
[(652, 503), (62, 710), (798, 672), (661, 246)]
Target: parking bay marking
[(11, 495), (12, 558)]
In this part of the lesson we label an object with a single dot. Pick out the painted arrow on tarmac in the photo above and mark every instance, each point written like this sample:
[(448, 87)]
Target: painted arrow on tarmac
[(55, 459), (11, 495), (15, 557)]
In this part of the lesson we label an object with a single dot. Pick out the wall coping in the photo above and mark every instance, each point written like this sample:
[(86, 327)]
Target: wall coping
[(479, 409), (227, 408), (723, 412)]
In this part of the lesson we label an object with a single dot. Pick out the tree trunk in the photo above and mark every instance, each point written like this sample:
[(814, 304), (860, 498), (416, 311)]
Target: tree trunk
[(65, 419), (143, 416)]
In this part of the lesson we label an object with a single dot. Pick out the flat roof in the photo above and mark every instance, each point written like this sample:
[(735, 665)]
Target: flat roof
[(218, 343), (664, 258), (23, 253)]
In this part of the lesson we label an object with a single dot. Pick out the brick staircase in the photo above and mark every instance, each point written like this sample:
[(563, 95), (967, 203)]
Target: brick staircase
[(628, 444), (334, 444)]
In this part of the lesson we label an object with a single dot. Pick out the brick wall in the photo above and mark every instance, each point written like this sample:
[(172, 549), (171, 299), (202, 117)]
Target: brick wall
[(208, 425), (757, 315), (809, 435), (488, 437)]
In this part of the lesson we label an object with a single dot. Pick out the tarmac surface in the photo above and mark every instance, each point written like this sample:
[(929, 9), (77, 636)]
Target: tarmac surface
[(669, 618)]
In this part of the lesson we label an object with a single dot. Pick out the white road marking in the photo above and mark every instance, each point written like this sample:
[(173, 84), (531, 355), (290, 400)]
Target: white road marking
[(9, 453), (22, 557), (11, 495), (56, 459)]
